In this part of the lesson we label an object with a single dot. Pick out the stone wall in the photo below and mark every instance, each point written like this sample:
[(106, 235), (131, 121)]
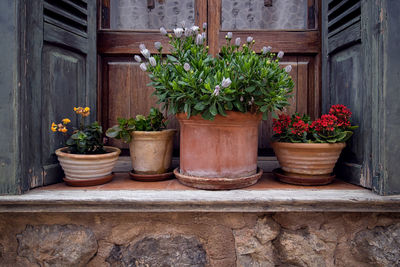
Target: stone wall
[(200, 239)]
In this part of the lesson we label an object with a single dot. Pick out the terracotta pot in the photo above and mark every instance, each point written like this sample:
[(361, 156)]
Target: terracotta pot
[(84, 168), (223, 148), (151, 152), (309, 159)]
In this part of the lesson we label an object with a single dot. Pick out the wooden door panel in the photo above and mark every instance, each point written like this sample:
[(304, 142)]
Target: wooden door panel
[(63, 78)]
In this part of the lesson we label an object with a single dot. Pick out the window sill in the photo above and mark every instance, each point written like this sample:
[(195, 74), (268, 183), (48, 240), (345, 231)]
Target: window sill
[(268, 195)]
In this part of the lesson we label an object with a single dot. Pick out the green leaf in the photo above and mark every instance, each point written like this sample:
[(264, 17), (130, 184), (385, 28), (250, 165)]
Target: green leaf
[(221, 110), (250, 89), (213, 109), (199, 106)]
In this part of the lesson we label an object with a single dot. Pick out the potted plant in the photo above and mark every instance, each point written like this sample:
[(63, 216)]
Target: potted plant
[(150, 145), (307, 150), (85, 160), (219, 102)]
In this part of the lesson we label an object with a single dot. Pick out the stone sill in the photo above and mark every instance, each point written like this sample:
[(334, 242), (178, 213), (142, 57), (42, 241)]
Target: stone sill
[(125, 195)]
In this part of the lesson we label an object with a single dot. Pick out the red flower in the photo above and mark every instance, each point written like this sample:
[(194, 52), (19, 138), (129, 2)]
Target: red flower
[(281, 124), (326, 123), (343, 115), (299, 126)]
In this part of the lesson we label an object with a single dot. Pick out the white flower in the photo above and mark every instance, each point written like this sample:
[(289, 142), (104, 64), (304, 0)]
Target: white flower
[(188, 32), (138, 59), (204, 35), (251, 101), (143, 67), (158, 45), (142, 47), (237, 41), (229, 35), (216, 90), (186, 66), (178, 32), (280, 54), (152, 61), (266, 49), (145, 52), (195, 29), (241, 99), (288, 68), (163, 31), (199, 39), (204, 25), (249, 39), (226, 82)]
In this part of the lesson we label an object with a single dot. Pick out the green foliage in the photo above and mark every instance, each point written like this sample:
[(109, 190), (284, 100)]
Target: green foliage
[(191, 81), (87, 140), (155, 121)]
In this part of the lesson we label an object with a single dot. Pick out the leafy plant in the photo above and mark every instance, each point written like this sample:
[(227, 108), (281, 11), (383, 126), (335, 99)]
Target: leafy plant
[(330, 128), (191, 81), (155, 121), (87, 139)]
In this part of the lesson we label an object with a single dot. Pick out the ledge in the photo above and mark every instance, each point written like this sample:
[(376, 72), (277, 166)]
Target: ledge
[(269, 195)]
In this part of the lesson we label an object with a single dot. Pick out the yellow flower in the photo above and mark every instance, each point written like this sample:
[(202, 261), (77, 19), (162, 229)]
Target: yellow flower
[(66, 121), (75, 108), (86, 109), (64, 130), (53, 127)]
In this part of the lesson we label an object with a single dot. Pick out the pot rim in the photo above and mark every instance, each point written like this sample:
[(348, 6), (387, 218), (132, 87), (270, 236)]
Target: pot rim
[(308, 145), (232, 116), (165, 131), (111, 152)]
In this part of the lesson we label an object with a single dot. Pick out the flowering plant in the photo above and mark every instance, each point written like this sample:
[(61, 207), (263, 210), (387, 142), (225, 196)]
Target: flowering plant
[(155, 121), (330, 128), (190, 80), (87, 139)]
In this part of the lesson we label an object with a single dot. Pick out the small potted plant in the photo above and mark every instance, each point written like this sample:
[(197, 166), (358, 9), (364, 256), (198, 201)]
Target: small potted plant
[(150, 145), (219, 103), (307, 150), (85, 160)]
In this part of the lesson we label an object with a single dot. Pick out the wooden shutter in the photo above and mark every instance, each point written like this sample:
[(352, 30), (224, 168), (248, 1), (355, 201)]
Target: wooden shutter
[(60, 74)]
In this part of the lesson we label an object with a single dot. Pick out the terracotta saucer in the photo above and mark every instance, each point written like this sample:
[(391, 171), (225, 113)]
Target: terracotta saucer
[(303, 179), (218, 183), (89, 182), (150, 177)]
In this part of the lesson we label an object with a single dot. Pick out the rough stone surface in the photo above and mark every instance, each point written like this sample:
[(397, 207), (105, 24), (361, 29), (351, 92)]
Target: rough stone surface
[(57, 245), (159, 251), (379, 246), (200, 239)]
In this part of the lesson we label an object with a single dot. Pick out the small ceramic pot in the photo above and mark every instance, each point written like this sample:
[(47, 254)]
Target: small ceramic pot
[(309, 159), (81, 168), (151, 152)]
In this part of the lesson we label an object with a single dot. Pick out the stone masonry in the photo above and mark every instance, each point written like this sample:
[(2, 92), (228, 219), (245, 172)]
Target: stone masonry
[(200, 239)]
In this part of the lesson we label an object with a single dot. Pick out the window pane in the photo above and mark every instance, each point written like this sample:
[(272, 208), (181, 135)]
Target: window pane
[(141, 15), (264, 14)]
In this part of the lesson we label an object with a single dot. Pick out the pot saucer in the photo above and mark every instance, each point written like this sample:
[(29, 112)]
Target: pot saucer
[(150, 177), (89, 182), (212, 183), (303, 179)]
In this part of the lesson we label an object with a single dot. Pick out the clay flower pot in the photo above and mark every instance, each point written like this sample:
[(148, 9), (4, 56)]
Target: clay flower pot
[(308, 161), (222, 151), (86, 170), (151, 152)]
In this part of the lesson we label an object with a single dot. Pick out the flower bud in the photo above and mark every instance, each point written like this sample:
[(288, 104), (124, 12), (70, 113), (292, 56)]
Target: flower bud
[(163, 31), (204, 25), (229, 35), (249, 39), (204, 35), (237, 41), (216, 90), (288, 68), (143, 67), (280, 54), (145, 52), (195, 29), (188, 32), (142, 47), (199, 39), (137, 59), (226, 82), (266, 49), (152, 61), (186, 66), (178, 32), (158, 45)]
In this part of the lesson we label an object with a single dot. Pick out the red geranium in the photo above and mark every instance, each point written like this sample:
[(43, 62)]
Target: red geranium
[(326, 123), (281, 124), (343, 115), (299, 127)]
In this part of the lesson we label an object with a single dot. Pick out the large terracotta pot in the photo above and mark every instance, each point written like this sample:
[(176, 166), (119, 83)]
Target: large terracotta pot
[(151, 152), (223, 148), (308, 159), (84, 170)]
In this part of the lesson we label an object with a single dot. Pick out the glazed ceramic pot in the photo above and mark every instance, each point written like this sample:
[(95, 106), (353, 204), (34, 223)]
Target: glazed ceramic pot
[(225, 148), (308, 159), (151, 152), (85, 170)]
